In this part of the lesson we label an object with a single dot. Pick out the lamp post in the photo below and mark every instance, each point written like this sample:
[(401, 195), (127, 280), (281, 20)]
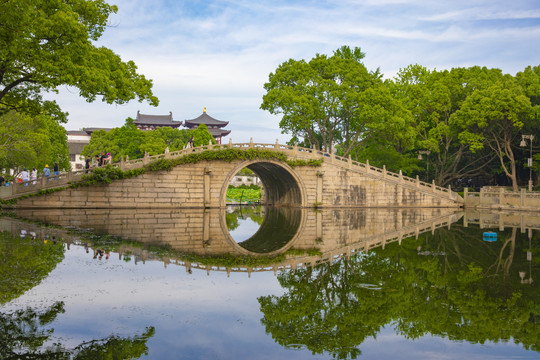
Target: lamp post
[(426, 152), (523, 143)]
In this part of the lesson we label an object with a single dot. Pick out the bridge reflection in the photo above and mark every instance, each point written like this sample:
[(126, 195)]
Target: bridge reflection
[(291, 237)]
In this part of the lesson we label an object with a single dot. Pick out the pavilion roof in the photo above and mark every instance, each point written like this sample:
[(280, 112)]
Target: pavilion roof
[(162, 120), (219, 132), (206, 119)]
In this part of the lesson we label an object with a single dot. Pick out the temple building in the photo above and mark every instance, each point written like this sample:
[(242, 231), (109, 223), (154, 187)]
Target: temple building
[(214, 126), (152, 122)]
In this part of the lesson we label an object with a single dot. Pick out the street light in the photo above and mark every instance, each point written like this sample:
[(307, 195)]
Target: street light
[(425, 152), (523, 143)]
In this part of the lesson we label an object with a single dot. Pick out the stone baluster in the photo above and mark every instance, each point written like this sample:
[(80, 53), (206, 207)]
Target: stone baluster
[(251, 143), (276, 146), (146, 158)]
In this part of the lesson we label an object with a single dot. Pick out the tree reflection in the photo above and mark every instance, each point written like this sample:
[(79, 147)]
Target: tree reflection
[(448, 284), (24, 262), (23, 334)]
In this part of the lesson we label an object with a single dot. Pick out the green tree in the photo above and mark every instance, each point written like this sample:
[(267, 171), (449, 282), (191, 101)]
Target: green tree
[(432, 97), (201, 136), (332, 98), (32, 140), (493, 117), (48, 43), (128, 140)]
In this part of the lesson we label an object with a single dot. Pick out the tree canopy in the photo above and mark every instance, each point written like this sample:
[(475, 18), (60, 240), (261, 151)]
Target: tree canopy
[(48, 43), (331, 101), (466, 118), (128, 140)]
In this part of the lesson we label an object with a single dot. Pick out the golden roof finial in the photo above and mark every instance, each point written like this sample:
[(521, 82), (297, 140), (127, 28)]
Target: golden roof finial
[(204, 110)]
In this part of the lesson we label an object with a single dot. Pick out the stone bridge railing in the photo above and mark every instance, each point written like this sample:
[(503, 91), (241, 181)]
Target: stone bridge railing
[(65, 179), (495, 198)]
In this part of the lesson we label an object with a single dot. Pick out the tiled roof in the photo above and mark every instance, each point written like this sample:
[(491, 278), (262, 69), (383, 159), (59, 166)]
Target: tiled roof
[(205, 119), (163, 120)]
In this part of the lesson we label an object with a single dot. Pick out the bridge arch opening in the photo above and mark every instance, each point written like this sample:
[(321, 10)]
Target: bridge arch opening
[(280, 186), (277, 228)]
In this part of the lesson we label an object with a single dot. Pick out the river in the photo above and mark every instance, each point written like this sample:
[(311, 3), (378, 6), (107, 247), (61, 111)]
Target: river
[(269, 283)]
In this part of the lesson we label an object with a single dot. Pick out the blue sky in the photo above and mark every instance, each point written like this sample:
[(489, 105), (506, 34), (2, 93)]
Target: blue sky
[(218, 54)]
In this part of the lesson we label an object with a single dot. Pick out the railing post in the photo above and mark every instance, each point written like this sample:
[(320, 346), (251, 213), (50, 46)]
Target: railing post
[(122, 163), (465, 194), (295, 147), (167, 153), (417, 181), (501, 196), (251, 143), (350, 161), (384, 171), (146, 157), (481, 195), (449, 191), (432, 185), (70, 175), (400, 175), (367, 165), (230, 142)]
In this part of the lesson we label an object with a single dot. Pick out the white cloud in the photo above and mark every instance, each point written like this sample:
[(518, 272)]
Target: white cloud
[(219, 53)]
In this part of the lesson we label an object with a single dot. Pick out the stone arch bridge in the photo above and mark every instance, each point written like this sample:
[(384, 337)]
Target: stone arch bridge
[(337, 182)]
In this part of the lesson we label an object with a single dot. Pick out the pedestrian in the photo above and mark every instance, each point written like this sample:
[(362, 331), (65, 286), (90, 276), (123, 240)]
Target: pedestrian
[(87, 163), (103, 159), (56, 170), (46, 172), (33, 176), (96, 161), (25, 176), (2, 179), (108, 160)]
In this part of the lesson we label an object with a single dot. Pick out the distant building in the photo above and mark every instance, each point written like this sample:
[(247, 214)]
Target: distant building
[(152, 122), (77, 140), (214, 126)]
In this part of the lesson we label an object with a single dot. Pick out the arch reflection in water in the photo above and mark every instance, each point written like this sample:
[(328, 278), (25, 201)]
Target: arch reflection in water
[(274, 227), (325, 234)]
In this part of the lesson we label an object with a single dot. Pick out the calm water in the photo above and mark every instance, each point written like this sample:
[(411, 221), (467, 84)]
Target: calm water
[(271, 283)]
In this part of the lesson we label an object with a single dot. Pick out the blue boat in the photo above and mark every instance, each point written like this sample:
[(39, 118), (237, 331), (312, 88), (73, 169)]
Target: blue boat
[(490, 236)]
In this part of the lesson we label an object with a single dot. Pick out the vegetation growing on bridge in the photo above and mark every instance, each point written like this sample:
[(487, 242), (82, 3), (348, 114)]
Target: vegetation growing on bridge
[(107, 174)]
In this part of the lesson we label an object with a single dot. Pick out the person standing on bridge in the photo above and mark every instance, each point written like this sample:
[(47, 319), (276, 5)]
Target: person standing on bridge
[(56, 170), (102, 159), (46, 172), (33, 176), (25, 177), (87, 163)]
